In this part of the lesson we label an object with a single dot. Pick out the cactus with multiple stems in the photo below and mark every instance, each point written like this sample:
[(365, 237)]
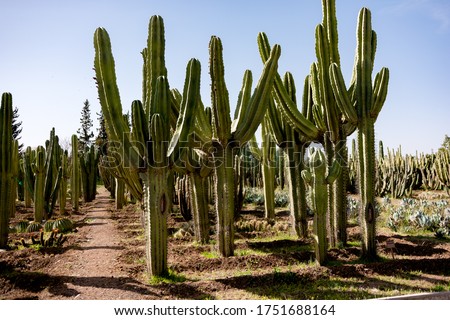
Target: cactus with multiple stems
[(223, 138), (319, 176), (145, 151), (361, 105), (6, 163), (88, 164)]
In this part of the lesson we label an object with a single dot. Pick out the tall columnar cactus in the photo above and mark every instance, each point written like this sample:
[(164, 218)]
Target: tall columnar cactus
[(319, 176), (6, 151), (65, 176), (53, 173), (337, 127), (293, 145), (39, 184), (145, 153), (89, 168), (224, 137), (28, 158), (75, 177), (361, 106), (14, 177)]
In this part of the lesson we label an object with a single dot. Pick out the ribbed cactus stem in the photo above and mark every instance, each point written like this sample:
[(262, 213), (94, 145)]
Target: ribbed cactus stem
[(6, 150), (268, 172), (63, 187), (319, 176), (39, 184), (199, 202), (75, 175), (224, 185), (119, 193)]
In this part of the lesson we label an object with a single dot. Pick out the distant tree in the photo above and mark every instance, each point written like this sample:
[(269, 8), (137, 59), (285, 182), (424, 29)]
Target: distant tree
[(85, 134), (102, 137), (446, 143), (17, 128)]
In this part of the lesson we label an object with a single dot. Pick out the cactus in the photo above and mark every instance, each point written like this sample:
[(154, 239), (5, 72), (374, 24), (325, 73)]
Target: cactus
[(361, 106), (145, 152), (6, 152), (226, 137), (338, 128), (442, 168), (28, 158), (119, 193), (293, 145), (65, 176), (75, 175), (53, 173), (39, 184), (88, 164), (319, 176)]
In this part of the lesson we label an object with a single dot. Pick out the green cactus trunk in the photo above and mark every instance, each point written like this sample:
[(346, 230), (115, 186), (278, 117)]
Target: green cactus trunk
[(39, 184), (199, 202), (75, 175), (297, 189), (268, 173), (6, 150), (155, 219), (63, 187), (119, 193), (366, 147), (340, 194), (224, 186), (89, 164)]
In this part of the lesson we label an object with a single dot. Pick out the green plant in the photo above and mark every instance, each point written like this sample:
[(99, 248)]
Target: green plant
[(361, 105), (145, 162), (319, 176), (75, 175), (6, 166), (88, 164)]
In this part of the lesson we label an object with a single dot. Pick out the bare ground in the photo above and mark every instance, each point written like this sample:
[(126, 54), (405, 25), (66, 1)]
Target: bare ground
[(104, 259)]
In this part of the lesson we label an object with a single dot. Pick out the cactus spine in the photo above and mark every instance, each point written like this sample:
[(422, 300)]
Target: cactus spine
[(6, 151)]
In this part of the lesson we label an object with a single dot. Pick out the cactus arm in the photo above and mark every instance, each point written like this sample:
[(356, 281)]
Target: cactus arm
[(154, 63), (246, 126), (340, 92), (219, 93), (109, 95), (380, 92), (324, 90), (254, 148), (286, 105), (244, 98), (189, 106)]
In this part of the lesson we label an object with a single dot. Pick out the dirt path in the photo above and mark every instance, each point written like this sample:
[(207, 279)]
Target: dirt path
[(90, 269)]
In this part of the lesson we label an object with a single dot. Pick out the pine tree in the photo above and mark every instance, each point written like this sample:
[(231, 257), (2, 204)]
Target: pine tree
[(85, 133), (102, 137), (17, 128)]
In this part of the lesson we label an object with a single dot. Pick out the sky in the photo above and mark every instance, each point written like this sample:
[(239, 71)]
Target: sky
[(46, 55)]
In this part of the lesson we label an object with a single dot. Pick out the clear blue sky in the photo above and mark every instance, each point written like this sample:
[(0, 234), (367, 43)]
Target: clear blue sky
[(46, 55)]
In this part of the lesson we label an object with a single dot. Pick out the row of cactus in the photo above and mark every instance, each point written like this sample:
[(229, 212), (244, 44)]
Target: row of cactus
[(398, 175), (335, 112), (43, 169), (184, 116)]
